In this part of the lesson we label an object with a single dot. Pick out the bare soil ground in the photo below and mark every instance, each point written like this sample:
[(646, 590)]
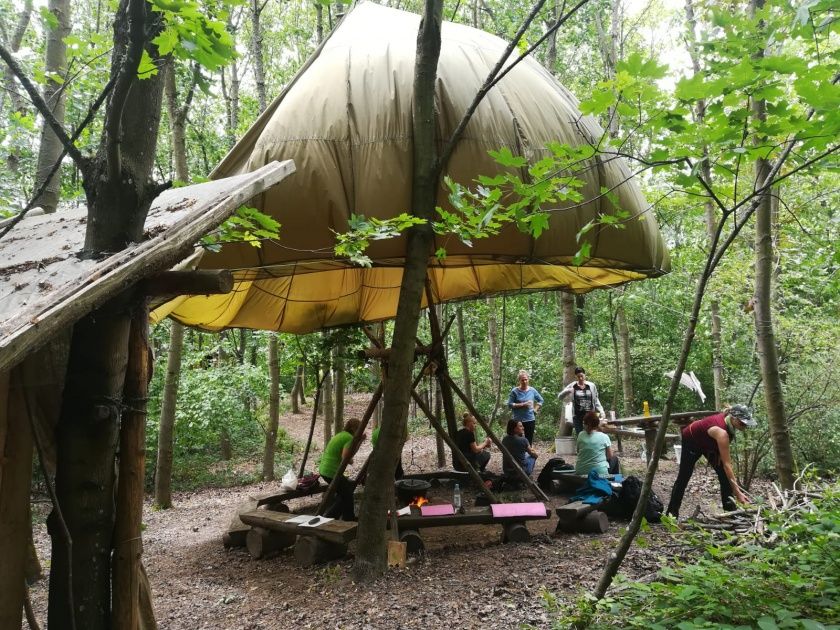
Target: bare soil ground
[(466, 578)]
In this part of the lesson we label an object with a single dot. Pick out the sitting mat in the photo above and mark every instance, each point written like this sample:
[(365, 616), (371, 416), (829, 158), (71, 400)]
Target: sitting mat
[(504, 510)]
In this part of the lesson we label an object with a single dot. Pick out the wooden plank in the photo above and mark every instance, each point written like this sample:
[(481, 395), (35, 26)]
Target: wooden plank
[(642, 420), (333, 531), (574, 510), (92, 285), (477, 516), (457, 475), (282, 497)]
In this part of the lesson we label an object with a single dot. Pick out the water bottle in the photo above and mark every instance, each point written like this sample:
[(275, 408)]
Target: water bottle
[(456, 498)]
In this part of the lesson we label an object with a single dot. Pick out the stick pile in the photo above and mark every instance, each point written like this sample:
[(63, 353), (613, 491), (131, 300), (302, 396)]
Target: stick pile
[(782, 506)]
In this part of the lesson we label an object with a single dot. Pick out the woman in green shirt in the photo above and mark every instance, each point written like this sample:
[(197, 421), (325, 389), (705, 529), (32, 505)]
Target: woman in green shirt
[(594, 449), (338, 449)]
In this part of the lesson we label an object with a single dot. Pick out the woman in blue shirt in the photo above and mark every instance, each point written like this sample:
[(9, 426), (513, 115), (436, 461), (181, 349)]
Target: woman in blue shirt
[(594, 449), (524, 401)]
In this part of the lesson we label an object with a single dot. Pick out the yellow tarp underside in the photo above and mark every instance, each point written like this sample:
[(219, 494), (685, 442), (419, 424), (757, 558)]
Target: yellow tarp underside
[(303, 303), (346, 122)]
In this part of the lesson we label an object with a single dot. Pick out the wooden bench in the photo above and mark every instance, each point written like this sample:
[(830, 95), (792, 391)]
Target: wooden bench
[(237, 531), (272, 531), (569, 480), (580, 517), (513, 524), (275, 501)]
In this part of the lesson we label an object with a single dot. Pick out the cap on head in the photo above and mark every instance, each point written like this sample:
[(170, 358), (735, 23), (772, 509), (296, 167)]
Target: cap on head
[(580, 370), (742, 413)]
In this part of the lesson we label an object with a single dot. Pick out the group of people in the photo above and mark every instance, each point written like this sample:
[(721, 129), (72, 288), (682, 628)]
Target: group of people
[(710, 437), (594, 447)]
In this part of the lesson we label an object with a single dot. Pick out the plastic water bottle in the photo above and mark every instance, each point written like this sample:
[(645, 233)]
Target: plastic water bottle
[(456, 498)]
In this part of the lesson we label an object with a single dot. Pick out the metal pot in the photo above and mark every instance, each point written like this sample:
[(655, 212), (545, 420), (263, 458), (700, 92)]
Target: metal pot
[(410, 489)]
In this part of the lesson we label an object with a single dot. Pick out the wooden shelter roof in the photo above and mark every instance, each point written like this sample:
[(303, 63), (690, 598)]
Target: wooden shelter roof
[(45, 286)]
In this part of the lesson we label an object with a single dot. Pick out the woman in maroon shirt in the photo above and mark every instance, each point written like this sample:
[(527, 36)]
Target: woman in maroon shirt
[(711, 437)]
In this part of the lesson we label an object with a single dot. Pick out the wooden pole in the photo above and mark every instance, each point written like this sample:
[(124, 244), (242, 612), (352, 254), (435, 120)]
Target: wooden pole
[(15, 482), (440, 356), (314, 419), (484, 425), (456, 452), (128, 545), (171, 283)]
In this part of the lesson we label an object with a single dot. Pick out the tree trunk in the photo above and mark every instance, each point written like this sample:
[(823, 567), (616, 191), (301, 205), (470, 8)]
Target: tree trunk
[(440, 447), (87, 433), (493, 338), (764, 335), (273, 409), (625, 361), (115, 179), (16, 100), (568, 304), (709, 213), (257, 53), (328, 405), (166, 432), (340, 385), (225, 445), (370, 553), (295, 388), (54, 95), (177, 125), (462, 346)]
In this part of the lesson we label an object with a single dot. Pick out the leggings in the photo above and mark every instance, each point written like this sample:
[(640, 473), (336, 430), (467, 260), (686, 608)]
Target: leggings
[(688, 459), (342, 507)]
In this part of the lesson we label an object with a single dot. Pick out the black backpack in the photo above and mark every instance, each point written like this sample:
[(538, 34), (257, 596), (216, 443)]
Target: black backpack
[(623, 505), (544, 479)]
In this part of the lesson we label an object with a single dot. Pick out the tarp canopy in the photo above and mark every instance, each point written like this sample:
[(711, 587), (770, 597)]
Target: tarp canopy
[(346, 122)]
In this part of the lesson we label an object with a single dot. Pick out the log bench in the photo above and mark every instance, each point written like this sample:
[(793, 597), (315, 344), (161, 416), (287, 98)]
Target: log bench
[(236, 534), (569, 481), (580, 517), (272, 531), (511, 516)]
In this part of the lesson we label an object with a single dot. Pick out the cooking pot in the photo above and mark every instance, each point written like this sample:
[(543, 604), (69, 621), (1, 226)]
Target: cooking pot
[(410, 489)]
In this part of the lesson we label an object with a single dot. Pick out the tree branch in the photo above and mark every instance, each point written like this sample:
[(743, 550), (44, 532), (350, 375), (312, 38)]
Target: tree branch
[(497, 75), (43, 109), (82, 126)]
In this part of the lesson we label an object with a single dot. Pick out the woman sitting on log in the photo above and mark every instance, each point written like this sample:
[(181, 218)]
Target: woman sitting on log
[(337, 450), (520, 449), (594, 449)]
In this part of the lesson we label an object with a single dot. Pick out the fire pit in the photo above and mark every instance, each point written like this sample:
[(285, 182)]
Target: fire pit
[(410, 489)]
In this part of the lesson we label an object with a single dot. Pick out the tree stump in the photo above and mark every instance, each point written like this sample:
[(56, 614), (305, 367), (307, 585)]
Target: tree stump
[(261, 542), (310, 551), (515, 533), (592, 523), (413, 541)]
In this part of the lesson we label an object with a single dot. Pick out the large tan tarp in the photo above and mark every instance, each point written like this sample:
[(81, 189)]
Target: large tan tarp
[(346, 122)]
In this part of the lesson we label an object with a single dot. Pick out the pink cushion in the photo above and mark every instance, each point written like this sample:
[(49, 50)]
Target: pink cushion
[(507, 510), (438, 510)]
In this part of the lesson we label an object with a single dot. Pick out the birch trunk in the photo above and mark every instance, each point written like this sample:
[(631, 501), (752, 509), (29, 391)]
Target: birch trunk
[(54, 95), (166, 432), (273, 408)]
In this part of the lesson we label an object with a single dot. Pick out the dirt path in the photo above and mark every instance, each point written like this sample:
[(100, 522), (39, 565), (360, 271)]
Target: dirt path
[(466, 579)]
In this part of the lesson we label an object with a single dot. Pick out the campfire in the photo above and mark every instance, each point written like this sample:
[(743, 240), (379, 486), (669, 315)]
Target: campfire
[(419, 501)]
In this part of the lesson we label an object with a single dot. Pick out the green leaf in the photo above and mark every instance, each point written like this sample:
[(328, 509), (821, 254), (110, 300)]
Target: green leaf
[(147, 68), (598, 102), (505, 157), (49, 18), (767, 623)]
